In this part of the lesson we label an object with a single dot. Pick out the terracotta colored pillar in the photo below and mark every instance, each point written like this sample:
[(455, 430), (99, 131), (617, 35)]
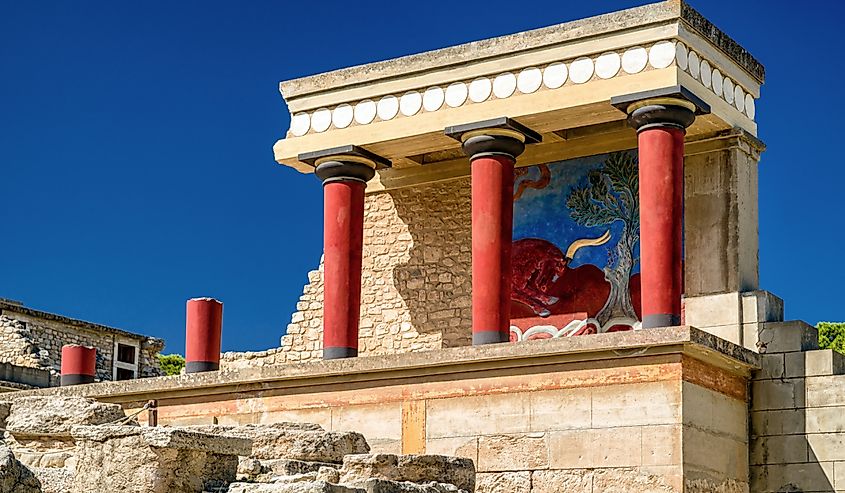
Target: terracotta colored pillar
[(344, 172), (79, 364), (492, 147), (661, 126), (203, 327)]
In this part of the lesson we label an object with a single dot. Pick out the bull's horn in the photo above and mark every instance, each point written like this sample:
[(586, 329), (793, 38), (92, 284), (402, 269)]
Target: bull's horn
[(601, 240)]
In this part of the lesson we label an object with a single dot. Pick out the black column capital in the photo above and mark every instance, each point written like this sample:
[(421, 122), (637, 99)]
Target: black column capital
[(670, 107), (496, 137), (346, 163)]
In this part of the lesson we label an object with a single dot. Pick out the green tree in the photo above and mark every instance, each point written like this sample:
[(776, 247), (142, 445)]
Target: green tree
[(171, 364), (610, 195), (832, 336)]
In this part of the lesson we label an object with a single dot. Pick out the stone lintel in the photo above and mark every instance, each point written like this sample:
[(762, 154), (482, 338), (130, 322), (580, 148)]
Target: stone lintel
[(454, 363)]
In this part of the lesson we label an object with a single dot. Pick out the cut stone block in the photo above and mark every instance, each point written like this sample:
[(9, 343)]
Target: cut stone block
[(14, 477), (41, 416), (414, 468), (824, 362), (310, 487), (5, 406), (132, 459), (784, 337), (281, 441)]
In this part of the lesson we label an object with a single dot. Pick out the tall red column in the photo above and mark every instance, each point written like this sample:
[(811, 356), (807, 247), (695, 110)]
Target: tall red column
[(79, 364), (661, 126), (344, 172), (343, 234), (203, 328), (492, 146)]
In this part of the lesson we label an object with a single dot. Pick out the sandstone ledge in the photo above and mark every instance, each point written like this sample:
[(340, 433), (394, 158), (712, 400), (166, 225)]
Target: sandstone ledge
[(443, 363)]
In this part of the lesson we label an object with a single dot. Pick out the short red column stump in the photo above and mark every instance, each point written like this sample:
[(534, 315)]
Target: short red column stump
[(79, 364), (203, 327)]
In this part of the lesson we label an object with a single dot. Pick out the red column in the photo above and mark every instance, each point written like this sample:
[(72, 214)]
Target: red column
[(661, 161), (79, 364), (492, 225), (203, 326), (492, 147), (344, 172), (343, 237)]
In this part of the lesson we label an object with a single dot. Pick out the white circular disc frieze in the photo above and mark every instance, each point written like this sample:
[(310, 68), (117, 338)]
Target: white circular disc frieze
[(365, 111), (555, 75), (750, 109), (706, 73), (321, 120), (728, 90), (634, 60), (456, 94), (681, 55), (388, 107), (694, 64), (581, 70), (504, 85), (480, 90), (607, 65), (717, 82), (410, 103), (300, 124), (739, 98), (529, 80), (342, 116), (433, 98), (661, 54)]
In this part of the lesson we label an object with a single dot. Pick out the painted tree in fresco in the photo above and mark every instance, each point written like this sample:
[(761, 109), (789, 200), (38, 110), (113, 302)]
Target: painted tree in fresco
[(612, 194)]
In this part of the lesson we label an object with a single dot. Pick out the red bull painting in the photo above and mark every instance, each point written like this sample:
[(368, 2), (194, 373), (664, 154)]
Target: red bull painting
[(575, 252)]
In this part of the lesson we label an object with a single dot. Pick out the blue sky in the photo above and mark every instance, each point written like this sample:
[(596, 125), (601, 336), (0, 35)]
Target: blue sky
[(136, 164)]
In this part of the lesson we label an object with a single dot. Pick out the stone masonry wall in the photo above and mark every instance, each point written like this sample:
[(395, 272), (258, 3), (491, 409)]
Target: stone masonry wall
[(34, 342), (416, 285)]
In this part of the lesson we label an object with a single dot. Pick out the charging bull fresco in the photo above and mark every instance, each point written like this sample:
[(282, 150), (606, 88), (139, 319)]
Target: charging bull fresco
[(575, 252)]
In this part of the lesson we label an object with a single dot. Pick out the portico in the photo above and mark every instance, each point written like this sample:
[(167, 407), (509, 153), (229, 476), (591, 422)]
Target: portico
[(658, 79)]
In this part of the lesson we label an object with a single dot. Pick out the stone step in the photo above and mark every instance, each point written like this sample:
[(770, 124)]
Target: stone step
[(414, 468), (119, 458), (44, 416), (282, 442)]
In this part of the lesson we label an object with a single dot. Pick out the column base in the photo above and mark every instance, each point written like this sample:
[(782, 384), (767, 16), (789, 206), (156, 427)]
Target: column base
[(201, 366), (76, 379), (661, 320), (339, 352), (489, 337)]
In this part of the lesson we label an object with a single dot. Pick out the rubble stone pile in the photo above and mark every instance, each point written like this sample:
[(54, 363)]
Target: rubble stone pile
[(78, 445)]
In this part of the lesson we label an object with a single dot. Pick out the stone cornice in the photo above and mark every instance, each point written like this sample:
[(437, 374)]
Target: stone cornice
[(454, 363), (637, 17)]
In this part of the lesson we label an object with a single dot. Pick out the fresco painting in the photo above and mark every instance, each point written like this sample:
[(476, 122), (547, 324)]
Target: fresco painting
[(575, 252)]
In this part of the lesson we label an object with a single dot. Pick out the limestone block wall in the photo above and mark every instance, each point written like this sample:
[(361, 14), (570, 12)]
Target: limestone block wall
[(36, 342), (416, 284), (797, 425)]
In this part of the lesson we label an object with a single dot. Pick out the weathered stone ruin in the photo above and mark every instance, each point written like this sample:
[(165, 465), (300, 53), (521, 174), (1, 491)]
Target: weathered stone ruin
[(56, 444)]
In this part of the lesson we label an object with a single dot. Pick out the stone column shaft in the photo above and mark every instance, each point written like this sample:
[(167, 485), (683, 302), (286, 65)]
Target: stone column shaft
[(661, 124), (203, 329), (344, 172), (492, 147)]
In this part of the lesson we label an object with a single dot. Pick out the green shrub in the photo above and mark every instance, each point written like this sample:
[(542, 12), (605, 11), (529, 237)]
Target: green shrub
[(171, 364), (832, 336)]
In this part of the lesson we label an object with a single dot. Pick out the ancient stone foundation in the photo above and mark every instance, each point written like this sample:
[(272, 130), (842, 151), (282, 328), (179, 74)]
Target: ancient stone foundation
[(78, 445)]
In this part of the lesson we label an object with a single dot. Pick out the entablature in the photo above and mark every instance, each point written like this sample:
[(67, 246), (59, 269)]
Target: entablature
[(557, 81)]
